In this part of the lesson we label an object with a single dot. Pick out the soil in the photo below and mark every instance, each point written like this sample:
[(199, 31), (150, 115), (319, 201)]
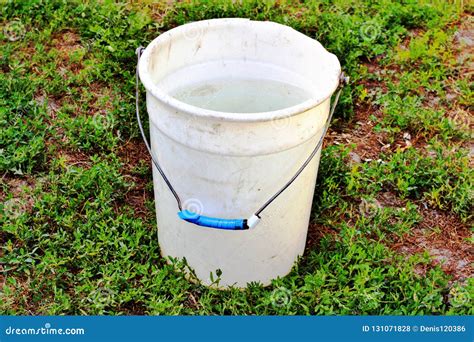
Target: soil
[(73, 157), (67, 42), (443, 235), (20, 189), (134, 154), (315, 233)]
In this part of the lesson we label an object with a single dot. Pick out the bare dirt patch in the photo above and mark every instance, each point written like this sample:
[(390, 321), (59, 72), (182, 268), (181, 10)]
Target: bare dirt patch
[(67, 42), (389, 199), (72, 157), (464, 43), (315, 233), (360, 130), (17, 185), (101, 101), (52, 105), (133, 155), (21, 200), (462, 117), (445, 237), (368, 144), (461, 108)]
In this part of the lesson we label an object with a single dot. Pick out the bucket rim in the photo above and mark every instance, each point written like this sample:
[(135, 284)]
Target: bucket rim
[(284, 113)]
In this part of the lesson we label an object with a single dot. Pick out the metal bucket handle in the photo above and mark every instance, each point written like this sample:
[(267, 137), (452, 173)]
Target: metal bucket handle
[(221, 223)]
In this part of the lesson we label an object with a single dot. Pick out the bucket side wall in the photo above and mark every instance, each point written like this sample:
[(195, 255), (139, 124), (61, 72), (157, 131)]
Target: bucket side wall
[(233, 137), (234, 187)]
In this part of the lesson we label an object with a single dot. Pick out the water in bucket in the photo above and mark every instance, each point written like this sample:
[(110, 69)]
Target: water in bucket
[(241, 95), (234, 87)]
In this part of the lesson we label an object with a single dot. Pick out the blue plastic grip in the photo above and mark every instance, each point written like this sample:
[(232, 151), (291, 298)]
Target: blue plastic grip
[(213, 222)]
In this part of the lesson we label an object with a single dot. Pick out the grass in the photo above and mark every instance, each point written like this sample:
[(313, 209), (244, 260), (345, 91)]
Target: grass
[(78, 233)]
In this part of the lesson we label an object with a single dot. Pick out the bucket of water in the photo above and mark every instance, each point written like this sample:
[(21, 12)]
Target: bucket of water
[(237, 110)]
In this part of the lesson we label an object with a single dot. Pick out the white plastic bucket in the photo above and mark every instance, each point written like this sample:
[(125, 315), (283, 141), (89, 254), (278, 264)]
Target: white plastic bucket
[(227, 164)]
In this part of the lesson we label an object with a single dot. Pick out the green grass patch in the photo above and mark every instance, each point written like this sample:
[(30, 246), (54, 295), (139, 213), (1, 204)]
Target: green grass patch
[(68, 86), (443, 178)]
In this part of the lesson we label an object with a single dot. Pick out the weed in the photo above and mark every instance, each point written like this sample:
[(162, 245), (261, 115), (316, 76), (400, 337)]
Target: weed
[(67, 89)]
